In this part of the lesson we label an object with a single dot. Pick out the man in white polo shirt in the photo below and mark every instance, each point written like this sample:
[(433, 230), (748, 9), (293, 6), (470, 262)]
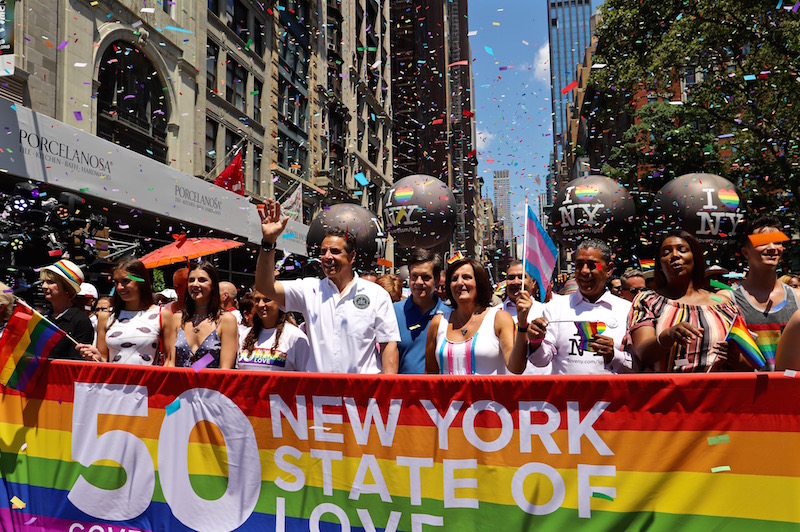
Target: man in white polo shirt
[(562, 332), (346, 317)]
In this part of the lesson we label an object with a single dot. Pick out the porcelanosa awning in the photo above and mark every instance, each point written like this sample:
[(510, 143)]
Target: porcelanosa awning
[(40, 148)]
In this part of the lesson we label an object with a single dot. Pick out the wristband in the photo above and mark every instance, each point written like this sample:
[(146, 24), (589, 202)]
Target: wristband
[(267, 246), (522, 329)]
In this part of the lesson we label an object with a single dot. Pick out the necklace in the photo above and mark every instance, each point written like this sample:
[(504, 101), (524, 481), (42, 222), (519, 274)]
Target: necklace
[(197, 320), (465, 326)]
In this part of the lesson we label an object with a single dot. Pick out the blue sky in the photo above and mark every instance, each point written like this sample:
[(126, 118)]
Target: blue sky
[(511, 66)]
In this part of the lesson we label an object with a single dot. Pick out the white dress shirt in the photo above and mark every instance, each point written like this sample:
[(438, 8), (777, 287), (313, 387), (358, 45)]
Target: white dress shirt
[(561, 344)]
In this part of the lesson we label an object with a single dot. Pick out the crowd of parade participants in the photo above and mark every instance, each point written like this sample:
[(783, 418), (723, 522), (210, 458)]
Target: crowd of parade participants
[(675, 320)]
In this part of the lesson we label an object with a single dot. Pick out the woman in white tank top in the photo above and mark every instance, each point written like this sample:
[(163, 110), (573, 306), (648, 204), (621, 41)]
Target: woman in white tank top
[(474, 338)]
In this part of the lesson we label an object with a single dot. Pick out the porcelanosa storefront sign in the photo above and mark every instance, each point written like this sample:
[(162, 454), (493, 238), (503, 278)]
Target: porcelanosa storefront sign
[(56, 153)]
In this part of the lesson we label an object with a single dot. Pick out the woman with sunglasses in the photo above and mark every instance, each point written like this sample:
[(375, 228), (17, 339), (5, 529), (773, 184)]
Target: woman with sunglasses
[(274, 343), (679, 326)]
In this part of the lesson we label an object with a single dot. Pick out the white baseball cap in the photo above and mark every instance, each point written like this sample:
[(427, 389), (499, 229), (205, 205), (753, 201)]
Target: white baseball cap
[(88, 290), (168, 293)]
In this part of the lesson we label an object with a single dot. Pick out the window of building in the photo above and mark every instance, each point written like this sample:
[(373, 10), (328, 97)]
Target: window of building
[(258, 88), (292, 154), (166, 5), (258, 153), (294, 45), (690, 76), (238, 15), (132, 101), (213, 6), (235, 84), (211, 144), (229, 13), (292, 105), (259, 39), (212, 55)]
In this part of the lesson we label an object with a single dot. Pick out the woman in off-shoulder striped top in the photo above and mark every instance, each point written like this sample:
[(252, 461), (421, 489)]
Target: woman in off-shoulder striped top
[(680, 327)]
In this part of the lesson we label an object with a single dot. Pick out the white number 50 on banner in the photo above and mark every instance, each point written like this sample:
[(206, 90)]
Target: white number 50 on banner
[(133, 498)]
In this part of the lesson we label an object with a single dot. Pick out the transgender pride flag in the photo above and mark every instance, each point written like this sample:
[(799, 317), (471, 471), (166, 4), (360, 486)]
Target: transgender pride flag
[(540, 253)]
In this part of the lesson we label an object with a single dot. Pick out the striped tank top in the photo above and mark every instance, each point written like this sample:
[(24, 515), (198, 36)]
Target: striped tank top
[(766, 327), (479, 355)]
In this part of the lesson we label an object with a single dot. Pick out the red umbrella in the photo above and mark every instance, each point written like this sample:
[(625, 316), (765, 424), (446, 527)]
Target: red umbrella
[(184, 249)]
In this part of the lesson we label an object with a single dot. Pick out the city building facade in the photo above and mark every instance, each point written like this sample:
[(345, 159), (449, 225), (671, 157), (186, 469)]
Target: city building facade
[(434, 126), (569, 34), (502, 203), (302, 89)]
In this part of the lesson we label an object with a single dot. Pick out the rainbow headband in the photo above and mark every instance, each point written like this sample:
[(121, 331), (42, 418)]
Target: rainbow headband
[(69, 274)]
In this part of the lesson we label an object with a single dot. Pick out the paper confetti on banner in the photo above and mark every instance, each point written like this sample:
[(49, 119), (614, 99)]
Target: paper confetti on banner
[(174, 405), (17, 503), (203, 362), (716, 440)]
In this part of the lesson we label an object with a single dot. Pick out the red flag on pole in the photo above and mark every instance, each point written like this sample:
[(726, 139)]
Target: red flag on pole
[(232, 177)]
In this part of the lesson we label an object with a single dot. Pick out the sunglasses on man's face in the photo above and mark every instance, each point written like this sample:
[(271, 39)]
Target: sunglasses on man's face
[(635, 290)]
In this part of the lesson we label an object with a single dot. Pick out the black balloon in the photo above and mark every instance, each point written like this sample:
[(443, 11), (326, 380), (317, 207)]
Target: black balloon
[(591, 207), (706, 205), (370, 237), (419, 211)]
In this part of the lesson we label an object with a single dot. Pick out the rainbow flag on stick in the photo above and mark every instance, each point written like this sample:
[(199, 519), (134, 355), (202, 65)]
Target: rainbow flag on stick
[(587, 330), (27, 340), (740, 335), (539, 253)]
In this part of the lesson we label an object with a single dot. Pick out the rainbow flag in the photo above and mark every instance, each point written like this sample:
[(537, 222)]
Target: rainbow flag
[(26, 341), (540, 253), (587, 330), (766, 336), (647, 264), (740, 335)]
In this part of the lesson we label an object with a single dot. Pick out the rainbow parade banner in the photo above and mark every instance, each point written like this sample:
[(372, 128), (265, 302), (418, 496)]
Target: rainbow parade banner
[(107, 448)]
